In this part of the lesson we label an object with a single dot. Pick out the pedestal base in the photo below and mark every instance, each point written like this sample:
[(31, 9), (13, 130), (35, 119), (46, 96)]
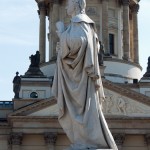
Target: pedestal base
[(74, 148), (87, 149)]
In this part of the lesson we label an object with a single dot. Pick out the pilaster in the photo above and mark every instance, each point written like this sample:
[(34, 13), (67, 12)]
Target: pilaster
[(126, 30), (50, 140), (119, 139), (105, 30), (147, 138), (16, 140), (135, 9), (42, 35)]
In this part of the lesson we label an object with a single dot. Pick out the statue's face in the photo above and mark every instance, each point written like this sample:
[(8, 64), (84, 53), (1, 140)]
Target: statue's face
[(70, 8)]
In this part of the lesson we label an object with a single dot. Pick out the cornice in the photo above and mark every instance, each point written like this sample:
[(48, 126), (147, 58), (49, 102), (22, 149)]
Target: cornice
[(122, 61), (33, 118), (33, 107), (126, 92)]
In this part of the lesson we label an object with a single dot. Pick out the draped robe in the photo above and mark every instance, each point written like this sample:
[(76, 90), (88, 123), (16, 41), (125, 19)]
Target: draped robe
[(78, 87)]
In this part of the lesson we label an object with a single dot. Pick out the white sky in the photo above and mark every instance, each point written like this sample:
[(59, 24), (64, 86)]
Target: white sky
[(19, 29)]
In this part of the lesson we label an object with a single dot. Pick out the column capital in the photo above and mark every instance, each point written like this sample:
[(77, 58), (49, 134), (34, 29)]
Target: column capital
[(135, 8), (16, 138), (42, 6), (125, 2), (50, 138), (119, 138), (147, 138)]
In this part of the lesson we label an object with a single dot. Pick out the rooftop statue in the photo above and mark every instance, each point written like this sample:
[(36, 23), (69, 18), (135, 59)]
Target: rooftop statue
[(35, 59), (16, 85), (34, 68), (77, 82), (147, 74)]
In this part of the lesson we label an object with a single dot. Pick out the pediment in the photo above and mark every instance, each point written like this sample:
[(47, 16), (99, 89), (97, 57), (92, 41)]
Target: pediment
[(44, 107), (119, 101), (122, 101), (48, 111)]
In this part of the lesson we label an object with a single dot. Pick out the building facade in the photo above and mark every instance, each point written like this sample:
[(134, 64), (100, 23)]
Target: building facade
[(30, 122)]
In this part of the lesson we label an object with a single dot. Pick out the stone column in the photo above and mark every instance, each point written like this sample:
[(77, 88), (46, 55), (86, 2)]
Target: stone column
[(105, 34), (119, 139), (16, 140), (50, 30), (42, 35), (54, 19), (147, 137), (50, 140), (135, 10), (126, 30)]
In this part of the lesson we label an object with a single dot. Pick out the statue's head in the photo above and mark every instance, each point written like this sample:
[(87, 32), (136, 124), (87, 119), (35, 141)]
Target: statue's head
[(75, 7)]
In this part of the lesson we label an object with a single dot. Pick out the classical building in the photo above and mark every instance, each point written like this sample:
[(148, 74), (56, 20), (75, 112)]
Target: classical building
[(30, 121)]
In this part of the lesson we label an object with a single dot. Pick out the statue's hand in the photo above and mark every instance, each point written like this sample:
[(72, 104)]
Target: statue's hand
[(60, 28)]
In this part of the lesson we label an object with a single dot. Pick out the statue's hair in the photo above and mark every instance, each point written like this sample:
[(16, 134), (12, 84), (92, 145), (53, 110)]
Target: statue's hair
[(81, 4)]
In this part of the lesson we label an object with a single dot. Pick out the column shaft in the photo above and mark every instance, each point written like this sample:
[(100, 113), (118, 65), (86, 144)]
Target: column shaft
[(105, 34), (135, 33), (126, 29), (42, 35), (50, 31), (54, 19)]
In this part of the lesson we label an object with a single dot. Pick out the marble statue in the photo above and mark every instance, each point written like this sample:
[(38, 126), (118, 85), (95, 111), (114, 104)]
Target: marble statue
[(77, 83)]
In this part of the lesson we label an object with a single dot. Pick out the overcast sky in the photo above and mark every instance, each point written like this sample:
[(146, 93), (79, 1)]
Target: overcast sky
[(19, 29)]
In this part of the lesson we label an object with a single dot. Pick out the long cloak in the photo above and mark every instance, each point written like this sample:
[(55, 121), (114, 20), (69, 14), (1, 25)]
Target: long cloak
[(78, 87)]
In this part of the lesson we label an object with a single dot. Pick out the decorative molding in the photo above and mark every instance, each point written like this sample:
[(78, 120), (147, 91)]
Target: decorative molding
[(50, 138), (135, 8), (116, 104), (119, 138), (16, 138), (122, 90), (42, 5), (34, 107)]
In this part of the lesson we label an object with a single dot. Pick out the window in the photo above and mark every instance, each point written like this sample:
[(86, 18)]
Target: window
[(33, 95), (111, 44)]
